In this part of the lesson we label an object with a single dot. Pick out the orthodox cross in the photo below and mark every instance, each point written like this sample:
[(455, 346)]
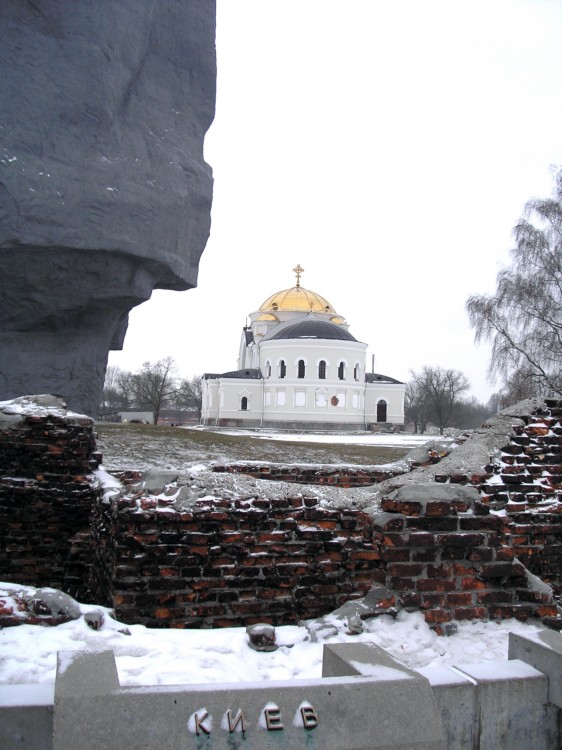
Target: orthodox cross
[(298, 270)]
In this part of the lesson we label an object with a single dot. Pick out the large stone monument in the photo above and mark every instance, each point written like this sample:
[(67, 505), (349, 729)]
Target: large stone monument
[(104, 192)]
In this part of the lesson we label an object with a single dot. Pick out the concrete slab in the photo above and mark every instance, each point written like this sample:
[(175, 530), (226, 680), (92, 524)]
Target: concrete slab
[(544, 652), (512, 711), (26, 717), (368, 659), (455, 695)]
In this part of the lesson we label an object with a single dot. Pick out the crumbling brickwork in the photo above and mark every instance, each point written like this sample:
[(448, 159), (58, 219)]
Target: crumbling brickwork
[(449, 558), (231, 562), (338, 476), (46, 496), (238, 561)]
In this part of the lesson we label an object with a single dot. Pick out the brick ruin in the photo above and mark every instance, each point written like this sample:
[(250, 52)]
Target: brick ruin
[(464, 546), (46, 497), (454, 560), (230, 562)]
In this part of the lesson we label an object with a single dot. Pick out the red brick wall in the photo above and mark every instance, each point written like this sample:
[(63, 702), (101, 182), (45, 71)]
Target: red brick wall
[(233, 562), (452, 562)]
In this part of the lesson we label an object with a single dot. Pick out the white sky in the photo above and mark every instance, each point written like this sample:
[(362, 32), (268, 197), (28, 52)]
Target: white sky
[(387, 147)]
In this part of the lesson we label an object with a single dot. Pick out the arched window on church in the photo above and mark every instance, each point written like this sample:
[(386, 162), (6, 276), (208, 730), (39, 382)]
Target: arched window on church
[(301, 369), (381, 411), (282, 369), (322, 370), (268, 369), (356, 371), (341, 371), (244, 403)]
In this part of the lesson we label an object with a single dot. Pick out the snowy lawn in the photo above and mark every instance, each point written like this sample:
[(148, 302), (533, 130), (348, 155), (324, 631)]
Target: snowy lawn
[(144, 447)]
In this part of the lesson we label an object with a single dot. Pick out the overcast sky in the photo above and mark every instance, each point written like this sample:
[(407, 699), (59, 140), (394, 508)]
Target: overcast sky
[(387, 147)]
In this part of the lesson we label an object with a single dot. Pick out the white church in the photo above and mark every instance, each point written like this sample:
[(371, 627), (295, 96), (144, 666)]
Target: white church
[(299, 368)]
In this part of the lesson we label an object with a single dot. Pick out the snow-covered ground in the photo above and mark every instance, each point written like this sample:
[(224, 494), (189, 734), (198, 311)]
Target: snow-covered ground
[(174, 657), (381, 439), (179, 449)]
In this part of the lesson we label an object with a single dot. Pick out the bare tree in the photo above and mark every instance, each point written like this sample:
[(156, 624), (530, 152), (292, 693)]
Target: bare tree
[(469, 413), (521, 384), (440, 390), (416, 407), (155, 385), (523, 319), (125, 386), (116, 392), (189, 396), (494, 403), (110, 400)]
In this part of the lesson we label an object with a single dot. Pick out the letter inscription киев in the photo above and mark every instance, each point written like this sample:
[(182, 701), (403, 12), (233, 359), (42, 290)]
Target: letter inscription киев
[(201, 721)]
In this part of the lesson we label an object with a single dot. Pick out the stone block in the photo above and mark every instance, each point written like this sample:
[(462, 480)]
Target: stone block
[(131, 211), (455, 697), (512, 711), (462, 539), (388, 707), (437, 616), (388, 521)]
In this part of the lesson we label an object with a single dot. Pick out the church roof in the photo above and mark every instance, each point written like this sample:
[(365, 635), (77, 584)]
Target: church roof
[(297, 299), (310, 328), (248, 374), (375, 377)]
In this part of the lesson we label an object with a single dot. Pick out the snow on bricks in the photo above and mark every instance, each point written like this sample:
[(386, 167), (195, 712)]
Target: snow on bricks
[(339, 476)]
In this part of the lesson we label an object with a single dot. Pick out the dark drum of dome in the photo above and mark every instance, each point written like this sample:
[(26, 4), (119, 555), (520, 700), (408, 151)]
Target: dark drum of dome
[(312, 329)]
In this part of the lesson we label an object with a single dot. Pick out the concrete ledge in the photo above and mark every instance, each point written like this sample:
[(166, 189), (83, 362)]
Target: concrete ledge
[(366, 700), (26, 717), (98, 677), (389, 711), (366, 659)]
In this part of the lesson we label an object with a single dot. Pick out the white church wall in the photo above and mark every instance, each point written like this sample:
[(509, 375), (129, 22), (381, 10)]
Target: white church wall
[(392, 394), (225, 399), (312, 351)]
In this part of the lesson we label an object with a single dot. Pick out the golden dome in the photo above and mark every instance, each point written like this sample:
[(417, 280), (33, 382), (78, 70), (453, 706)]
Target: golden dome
[(297, 299)]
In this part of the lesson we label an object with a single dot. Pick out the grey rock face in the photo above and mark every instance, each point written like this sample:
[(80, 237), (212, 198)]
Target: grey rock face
[(104, 192)]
